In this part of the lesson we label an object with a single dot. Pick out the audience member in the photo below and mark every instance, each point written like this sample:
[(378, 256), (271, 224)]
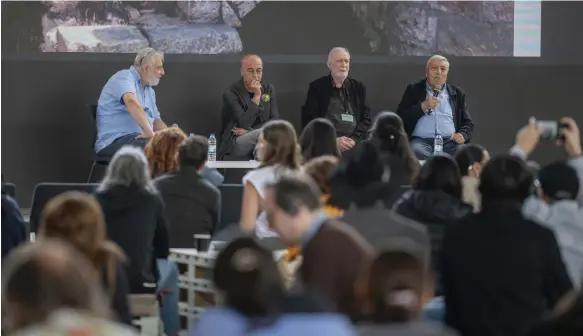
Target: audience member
[(389, 137), (256, 302), (396, 287), (559, 201), (368, 182), (318, 138), (500, 271), (162, 155), (320, 168), (278, 152), (192, 204), (14, 230), (134, 216), (47, 289), (333, 253), (77, 218), (566, 319), (471, 159), (435, 201)]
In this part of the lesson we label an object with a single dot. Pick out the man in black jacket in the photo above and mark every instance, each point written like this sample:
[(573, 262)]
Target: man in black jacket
[(341, 100), (432, 107), (247, 105)]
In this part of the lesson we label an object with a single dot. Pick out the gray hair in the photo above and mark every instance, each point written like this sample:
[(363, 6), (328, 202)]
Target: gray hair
[(147, 55), (436, 58), (128, 166), (335, 50)]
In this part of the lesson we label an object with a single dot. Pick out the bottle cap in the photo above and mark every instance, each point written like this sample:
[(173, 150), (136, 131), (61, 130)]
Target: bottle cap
[(212, 134)]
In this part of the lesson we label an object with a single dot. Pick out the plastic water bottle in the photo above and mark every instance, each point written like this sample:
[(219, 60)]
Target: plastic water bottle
[(212, 154), (438, 144)]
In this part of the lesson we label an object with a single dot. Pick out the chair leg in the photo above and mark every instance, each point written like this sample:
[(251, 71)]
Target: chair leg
[(91, 171)]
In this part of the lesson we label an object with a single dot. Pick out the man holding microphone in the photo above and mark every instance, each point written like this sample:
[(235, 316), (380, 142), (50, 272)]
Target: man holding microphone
[(432, 108)]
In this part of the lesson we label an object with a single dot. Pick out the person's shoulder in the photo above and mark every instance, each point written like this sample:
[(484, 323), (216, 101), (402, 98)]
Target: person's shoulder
[(123, 74), (355, 82), (455, 89), (344, 234), (259, 174), (233, 87), (9, 202), (321, 81)]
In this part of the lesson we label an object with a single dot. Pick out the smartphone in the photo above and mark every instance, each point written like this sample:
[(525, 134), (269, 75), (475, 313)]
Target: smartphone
[(551, 130)]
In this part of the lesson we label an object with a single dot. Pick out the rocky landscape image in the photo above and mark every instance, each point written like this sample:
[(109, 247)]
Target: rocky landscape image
[(407, 28)]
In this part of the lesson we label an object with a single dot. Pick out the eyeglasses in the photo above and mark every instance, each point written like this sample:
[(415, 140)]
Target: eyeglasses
[(146, 55)]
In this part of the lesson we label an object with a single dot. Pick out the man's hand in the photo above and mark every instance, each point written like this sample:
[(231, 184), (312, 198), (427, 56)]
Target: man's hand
[(146, 135), (256, 88), (572, 141), (527, 138), (429, 103), (239, 131), (344, 143), (458, 138)]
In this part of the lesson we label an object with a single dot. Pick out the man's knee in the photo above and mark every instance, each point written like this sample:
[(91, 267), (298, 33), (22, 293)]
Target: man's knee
[(421, 149)]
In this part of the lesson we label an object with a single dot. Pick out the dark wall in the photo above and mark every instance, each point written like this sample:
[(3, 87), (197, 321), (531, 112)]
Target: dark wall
[(47, 133)]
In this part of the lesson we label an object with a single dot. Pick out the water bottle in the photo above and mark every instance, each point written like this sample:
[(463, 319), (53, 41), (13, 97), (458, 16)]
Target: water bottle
[(438, 144), (212, 155)]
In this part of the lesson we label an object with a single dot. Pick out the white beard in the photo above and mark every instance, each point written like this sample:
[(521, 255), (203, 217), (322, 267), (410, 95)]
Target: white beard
[(154, 81)]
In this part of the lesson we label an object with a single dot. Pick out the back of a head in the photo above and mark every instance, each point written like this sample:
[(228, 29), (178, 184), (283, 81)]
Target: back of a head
[(318, 138), (320, 168), (396, 284), (77, 218), (467, 155), (162, 148), (440, 173), (293, 191), (281, 145), (248, 278), (44, 277), (559, 181), (193, 152), (505, 179), (128, 167)]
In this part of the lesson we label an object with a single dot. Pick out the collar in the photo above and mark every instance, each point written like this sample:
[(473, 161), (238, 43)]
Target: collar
[(344, 84), (428, 87), (314, 228), (136, 75), (190, 171)]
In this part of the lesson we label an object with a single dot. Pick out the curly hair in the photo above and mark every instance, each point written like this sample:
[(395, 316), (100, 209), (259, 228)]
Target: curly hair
[(161, 150)]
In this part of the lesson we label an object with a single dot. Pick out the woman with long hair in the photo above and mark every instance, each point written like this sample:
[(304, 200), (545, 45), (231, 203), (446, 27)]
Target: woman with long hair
[(278, 152), (319, 138), (471, 159), (77, 218), (394, 291), (320, 169), (389, 137)]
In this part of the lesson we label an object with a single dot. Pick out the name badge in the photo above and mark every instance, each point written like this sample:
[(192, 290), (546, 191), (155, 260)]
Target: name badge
[(347, 117)]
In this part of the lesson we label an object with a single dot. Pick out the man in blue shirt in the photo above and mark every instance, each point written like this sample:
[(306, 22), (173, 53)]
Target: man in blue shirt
[(126, 111), (432, 107)]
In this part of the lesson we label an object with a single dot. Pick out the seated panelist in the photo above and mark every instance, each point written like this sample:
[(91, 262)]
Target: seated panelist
[(126, 111), (341, 100), (247, 105), (432, 107)]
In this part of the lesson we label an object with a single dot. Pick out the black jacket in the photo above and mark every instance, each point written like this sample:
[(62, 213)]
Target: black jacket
[(14, 230), (318, 99), (241, 112), (192, 205), (135, 221), (436, 210), (500, 272), (410, 108)]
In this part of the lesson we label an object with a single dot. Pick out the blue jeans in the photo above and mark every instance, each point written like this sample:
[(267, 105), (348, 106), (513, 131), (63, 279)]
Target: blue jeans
[(435, 309), (169, 310), (423, 147), (128, 139)]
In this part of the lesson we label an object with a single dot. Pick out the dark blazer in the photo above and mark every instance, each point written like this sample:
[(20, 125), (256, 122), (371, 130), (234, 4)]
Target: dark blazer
[(410, 108), (500, 272), (135, 221), (192, 205), (241, 112), (318, 99)]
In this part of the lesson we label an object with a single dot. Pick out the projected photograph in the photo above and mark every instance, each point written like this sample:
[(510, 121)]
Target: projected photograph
[(396, 28)]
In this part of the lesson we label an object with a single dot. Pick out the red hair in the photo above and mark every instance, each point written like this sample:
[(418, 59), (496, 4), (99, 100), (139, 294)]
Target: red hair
[(161, 150)]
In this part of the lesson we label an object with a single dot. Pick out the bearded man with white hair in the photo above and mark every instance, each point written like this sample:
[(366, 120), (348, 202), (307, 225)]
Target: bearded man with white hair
[(433, 107), (126, 111), (340, 99)]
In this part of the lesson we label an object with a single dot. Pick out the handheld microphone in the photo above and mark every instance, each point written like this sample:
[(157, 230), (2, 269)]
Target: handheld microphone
[(435, 94)]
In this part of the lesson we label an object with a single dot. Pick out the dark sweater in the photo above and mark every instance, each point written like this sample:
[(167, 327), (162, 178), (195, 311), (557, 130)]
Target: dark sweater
[(135, 221), (333, 260), (119, 297), (13, 228), (500, 272)]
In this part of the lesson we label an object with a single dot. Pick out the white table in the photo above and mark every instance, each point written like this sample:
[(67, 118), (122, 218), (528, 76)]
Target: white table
[(233, 164)]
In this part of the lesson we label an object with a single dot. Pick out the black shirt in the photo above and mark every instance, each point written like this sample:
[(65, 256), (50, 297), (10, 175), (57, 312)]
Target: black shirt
[(340, 105)]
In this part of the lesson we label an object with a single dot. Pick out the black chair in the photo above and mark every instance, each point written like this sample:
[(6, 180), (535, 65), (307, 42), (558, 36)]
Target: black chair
[(43, 192), (97, 159), (231, 201), (9, 189)]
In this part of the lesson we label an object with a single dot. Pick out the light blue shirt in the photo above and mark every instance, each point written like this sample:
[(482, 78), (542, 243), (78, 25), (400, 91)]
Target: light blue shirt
[(113, 118), (440, 121), (322, 217)]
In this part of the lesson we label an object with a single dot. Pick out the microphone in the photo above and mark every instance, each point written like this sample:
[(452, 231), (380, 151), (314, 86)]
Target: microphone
[(435, 94)]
